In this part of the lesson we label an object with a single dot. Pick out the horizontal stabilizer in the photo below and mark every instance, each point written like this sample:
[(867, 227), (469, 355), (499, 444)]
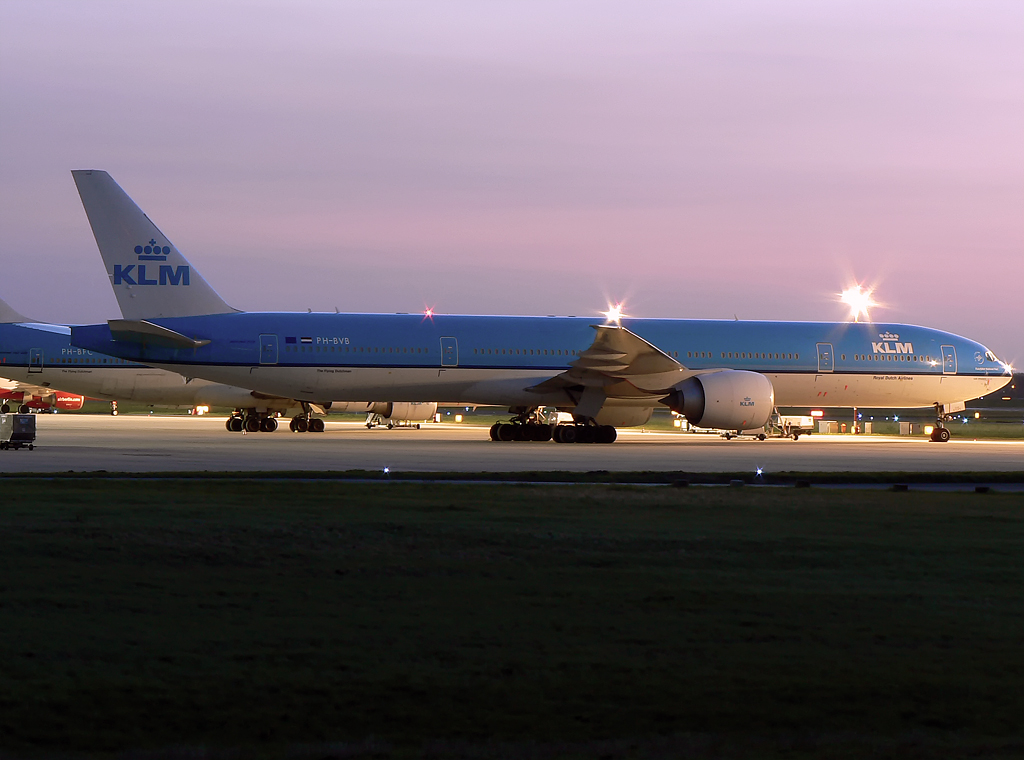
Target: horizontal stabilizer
[(141, 331)]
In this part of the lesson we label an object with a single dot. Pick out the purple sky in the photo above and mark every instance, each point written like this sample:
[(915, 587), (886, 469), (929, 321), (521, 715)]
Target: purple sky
[(529, 158)]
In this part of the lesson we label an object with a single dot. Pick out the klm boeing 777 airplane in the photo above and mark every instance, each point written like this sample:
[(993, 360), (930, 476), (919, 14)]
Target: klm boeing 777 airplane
[(729, 375)]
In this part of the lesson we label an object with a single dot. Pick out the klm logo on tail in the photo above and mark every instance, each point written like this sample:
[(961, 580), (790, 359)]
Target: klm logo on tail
[(167, 274)]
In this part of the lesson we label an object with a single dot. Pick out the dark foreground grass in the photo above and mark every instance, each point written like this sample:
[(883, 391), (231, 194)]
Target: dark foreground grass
[(329, 619)]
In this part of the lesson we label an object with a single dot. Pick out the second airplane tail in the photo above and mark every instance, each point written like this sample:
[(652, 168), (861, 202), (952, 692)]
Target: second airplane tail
[(149, 275), (10, 316)]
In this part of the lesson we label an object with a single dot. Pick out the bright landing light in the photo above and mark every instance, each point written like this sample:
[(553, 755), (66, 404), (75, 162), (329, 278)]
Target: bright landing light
[(614, 313), (859, 301)]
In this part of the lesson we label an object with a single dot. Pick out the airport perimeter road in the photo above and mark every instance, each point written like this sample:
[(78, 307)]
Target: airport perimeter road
[(86, 443)]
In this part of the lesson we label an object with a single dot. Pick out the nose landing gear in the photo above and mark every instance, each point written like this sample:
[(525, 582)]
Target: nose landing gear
[(940, 433)]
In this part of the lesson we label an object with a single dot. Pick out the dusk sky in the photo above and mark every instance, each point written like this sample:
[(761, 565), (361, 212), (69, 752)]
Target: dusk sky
[(696, 160)]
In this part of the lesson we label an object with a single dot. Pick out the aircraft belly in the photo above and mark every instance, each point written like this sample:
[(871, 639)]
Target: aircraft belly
[(485, 386), (882, 390), (451, 385)]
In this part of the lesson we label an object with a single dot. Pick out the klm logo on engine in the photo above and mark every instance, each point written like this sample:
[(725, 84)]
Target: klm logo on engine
[(747, 402), (135, 274), (890, 345)]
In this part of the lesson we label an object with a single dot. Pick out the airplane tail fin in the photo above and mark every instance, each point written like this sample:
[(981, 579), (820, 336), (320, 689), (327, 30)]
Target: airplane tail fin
[(10, 316), (149, 275)]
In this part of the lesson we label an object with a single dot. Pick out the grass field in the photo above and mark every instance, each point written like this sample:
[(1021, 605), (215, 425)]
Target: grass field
[(325, 619)]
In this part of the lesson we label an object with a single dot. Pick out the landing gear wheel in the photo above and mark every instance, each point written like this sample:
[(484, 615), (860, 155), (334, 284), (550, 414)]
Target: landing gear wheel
[(761, 436), (494, 431), (316, 425), (6, 408), (31, 446), (506, 432), (235, 424), (542, 433), (940, 435), (301, 424), (568, 433), (268, 425), (606, 434), (227, 423), (251, 424), (23, 409)]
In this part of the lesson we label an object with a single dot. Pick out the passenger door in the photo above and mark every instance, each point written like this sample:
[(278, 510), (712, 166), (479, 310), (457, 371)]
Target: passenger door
[(449, 352), (825, 358), (35, 360), (268, 349), (948, 360)]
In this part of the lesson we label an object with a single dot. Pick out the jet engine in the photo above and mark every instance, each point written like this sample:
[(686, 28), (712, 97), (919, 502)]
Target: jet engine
[(623, 416), (68, 401), (732, 399), (411, 411), (404, 411)]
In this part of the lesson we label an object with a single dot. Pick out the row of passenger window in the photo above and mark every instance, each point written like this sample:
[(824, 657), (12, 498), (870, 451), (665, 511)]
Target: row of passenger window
[(357, 350), (890, 358), (525, 352), (87, 360), (757, 355)]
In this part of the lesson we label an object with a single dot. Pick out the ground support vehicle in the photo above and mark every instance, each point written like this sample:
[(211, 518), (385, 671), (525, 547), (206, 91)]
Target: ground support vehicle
[(17, 430)]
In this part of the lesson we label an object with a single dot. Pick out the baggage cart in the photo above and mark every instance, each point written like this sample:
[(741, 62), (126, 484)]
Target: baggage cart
[(17, 430)]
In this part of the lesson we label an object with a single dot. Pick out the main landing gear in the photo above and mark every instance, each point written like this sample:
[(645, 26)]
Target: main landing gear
[(584, 432), (251, 422), (306, 423), (530, 425), (940, 433)]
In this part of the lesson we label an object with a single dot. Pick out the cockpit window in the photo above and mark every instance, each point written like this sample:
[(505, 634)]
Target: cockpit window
[(991, 356)]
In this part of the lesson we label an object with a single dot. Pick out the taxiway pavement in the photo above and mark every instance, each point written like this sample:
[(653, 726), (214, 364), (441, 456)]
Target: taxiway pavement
[(90, 443)]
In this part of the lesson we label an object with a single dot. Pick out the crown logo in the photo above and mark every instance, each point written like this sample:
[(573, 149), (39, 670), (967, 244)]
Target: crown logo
[(888, 336), (152, 252)]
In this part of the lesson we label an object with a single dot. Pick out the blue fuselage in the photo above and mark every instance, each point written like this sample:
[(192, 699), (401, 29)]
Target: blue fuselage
[(492, 360)]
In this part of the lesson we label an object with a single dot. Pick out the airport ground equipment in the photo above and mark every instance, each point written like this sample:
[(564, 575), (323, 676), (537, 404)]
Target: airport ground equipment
[(399, 414), (790, 426), (17, 431)]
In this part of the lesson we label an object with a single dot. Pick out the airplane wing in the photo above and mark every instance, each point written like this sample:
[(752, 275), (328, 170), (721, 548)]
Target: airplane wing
[(13, 386), (618, 364)]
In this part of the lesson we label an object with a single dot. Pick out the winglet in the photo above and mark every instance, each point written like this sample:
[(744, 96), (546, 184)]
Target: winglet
[(149, 275), (10, 316)]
